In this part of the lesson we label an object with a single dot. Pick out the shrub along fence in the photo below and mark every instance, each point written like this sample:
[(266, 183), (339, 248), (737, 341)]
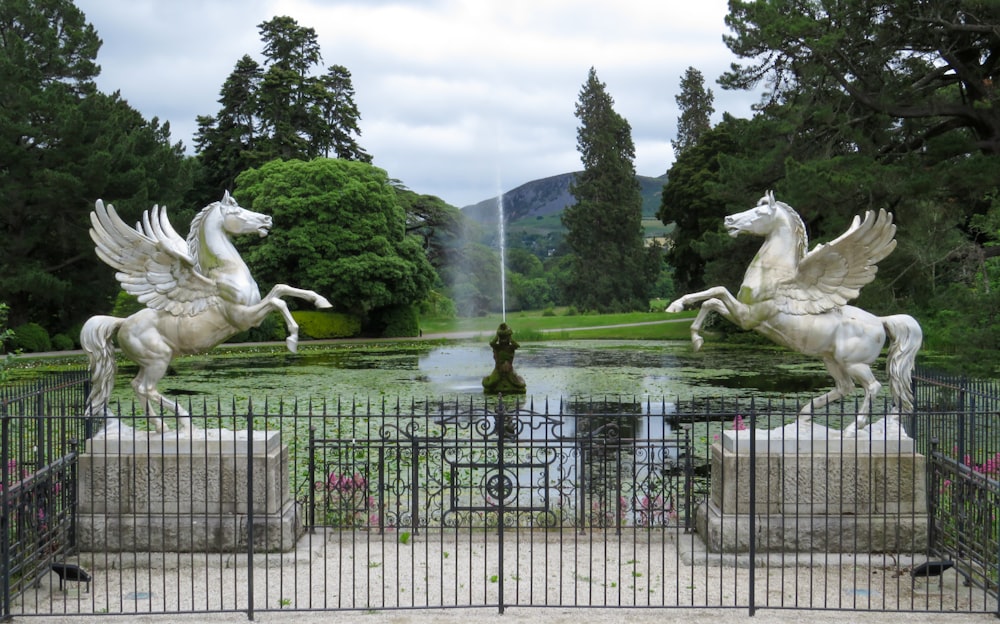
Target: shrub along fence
[(482, 502)]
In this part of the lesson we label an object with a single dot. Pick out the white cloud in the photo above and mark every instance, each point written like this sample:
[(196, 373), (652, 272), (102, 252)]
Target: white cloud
[(453, 94)]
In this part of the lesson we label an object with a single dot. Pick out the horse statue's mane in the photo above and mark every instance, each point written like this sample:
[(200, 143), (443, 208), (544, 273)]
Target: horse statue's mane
[(194, 234), (798, 227)]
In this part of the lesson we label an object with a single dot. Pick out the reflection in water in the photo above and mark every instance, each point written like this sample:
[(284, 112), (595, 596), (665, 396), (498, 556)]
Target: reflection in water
[(606, 463), (622, 368), (554, 370)]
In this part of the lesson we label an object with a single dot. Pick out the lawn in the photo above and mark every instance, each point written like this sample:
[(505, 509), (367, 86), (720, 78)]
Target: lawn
[(560, 323)]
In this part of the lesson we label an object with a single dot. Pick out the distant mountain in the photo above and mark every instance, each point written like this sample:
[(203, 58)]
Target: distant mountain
[(550, 196)]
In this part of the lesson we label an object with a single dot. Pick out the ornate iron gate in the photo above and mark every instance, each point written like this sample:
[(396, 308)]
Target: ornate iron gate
[(484, 473)]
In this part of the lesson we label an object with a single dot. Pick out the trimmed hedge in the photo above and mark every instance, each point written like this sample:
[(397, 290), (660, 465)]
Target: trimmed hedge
[(320, 324), (399, 321), (31, 338)]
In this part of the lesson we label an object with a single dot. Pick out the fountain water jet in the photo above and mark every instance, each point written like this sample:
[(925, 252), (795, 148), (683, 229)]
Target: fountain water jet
[(503, 257), (503, 379)]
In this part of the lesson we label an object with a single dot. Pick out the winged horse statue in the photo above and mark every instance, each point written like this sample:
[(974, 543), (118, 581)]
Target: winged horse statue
[(198, 292), (798, 298)]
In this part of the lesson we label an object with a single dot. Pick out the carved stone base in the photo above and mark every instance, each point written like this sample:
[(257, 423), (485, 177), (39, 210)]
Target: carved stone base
[(170, 493), (843, 496), (872, 533), (188, 532)]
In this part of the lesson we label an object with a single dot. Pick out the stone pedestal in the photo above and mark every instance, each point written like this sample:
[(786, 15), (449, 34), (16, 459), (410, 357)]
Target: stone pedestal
[(170, 493), (814, 494)]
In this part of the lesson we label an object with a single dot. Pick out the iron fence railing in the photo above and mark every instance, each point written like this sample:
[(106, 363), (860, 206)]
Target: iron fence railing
[(965, 528), (466, 502), (497, 466), (40, 427), (962, 414)]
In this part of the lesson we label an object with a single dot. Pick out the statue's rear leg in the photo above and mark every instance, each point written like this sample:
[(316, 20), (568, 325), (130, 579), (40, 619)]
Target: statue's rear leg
[(153, 354), (862, 373), (843, 385), (145, 384)]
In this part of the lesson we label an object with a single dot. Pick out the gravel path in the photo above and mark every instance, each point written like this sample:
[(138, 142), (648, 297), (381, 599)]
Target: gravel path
[(344, 570)]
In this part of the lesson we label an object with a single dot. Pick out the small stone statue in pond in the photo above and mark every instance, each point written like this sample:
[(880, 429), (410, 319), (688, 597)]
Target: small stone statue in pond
[(503, 379)]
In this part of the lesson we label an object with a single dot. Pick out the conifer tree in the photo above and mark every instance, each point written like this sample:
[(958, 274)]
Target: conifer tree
[(695, 104), (64, 144), (279, 110), (611, 269)]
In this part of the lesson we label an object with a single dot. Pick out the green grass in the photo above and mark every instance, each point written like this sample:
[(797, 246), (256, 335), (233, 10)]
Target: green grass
[(534, 325)]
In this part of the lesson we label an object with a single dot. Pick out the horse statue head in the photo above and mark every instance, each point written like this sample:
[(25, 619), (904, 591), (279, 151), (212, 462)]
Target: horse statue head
[(768, 217)]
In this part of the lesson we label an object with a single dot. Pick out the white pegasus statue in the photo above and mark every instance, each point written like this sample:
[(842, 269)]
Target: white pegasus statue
[(798, 298), (198, 292)]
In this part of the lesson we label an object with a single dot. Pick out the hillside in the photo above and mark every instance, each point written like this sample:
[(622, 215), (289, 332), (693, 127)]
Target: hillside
[(548, 197)]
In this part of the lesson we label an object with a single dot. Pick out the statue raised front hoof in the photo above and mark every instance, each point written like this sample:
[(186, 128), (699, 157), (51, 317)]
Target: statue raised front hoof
[(503, 379)]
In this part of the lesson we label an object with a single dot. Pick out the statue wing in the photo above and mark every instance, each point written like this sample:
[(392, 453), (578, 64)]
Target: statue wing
[(152, 260), (833, 273)]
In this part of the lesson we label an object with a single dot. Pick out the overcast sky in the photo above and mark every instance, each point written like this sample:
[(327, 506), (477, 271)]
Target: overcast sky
[(461, 99)]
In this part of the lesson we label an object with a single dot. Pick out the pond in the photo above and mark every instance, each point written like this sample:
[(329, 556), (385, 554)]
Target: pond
[(658, 373), (553, 369)]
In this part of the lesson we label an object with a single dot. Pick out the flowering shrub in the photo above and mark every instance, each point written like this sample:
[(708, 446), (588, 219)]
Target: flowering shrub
[(344, 501), (990, 467), (605, 513), (966, 517), (655, 512)]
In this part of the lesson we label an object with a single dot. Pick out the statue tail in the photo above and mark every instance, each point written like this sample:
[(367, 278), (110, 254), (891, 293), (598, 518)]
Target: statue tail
[(95, 338), (905, 339)]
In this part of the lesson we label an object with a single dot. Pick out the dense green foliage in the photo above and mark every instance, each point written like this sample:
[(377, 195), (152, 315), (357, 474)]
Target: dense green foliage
[(279, 110), (397, 322), (338, 229), (869, 106), (31, 338), (62, 145), (610, 267)]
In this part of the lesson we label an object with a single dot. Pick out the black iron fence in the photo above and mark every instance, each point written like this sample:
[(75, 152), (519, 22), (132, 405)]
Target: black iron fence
[(961, 414), (490, 465), (38, 438), (473, 502), (959, 419)]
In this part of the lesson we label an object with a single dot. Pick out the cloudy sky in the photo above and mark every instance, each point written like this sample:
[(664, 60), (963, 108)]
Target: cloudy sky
[(461, 99)]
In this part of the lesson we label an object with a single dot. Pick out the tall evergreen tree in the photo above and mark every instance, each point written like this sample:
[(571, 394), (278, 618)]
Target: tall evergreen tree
[(339, 116), (903, 77), (63, 144), (227, 143), (611, 269), (279, 110), (285, 96), (695, 104)]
